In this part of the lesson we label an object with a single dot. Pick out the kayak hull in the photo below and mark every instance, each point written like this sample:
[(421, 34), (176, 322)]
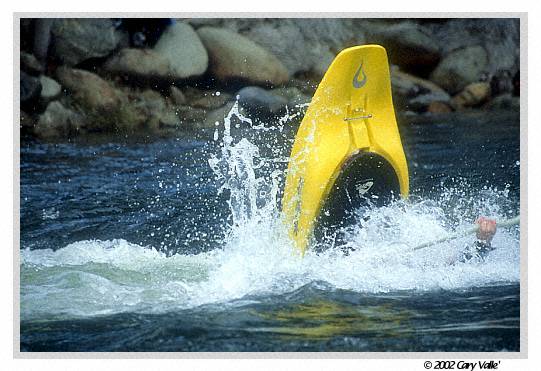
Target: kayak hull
[(349, 128)]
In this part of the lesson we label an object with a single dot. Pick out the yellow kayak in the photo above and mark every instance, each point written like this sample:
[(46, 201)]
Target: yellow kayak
[(347, 153)]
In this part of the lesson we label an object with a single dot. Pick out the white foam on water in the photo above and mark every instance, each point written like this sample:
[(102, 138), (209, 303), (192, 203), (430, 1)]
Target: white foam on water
[(89, 278)]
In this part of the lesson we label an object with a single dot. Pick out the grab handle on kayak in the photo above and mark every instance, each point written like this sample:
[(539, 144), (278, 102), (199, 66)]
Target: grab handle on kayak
[(503, 223), (369, 116)]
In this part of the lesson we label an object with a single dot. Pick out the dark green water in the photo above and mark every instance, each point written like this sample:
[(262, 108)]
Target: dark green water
[(131, 246)]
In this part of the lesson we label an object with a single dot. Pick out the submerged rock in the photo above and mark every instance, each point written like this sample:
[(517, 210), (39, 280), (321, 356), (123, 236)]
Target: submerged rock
[(216, 115), (154, 112), (460, 68), (258, 101), (211, 100), (58, 122), (438, 107), (422, 102), (78, 39), (293, 95), (471, 96), (181, 47), (235, 57), (504, 101)]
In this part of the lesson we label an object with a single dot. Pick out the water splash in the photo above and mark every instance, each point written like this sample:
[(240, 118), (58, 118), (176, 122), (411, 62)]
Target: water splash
[(257, 259)]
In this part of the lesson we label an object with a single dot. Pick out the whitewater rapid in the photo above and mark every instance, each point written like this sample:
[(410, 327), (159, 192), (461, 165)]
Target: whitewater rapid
[(256, 259)]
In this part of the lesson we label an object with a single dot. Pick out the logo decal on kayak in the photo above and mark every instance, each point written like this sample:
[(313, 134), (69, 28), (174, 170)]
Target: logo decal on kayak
[(364, 187), (356, 83)]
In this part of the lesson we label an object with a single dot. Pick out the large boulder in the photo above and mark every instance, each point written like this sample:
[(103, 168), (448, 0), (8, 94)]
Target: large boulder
[(181, 47), (460, 68), (30, 90), (500, 38), (58, 122), (78, 39), (414, 93), (409, 45), (30, 64), (236, 58), (305, 46), (142, 64), (90, 90), (408, 85)]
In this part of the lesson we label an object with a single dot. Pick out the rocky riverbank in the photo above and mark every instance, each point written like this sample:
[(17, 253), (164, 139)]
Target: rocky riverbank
[(82, 76)]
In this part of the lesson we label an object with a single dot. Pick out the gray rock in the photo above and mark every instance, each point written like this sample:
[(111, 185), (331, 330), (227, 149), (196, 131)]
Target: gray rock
[(460, 68), (30, 64), (501, 83), (473, 95), (235, 57), (197, 118), (182, 48), (177, 96), (142, 64), (293, 95), (50, 89), (214, 116), (170, 119), (409, 45), (27, 121), (154, 111), (190, 115), (408, 85), (413, 93), (211, 100), (500, 37), (423, 101), (304, 45), (78, 39), (58, 122), (90, 90), (258, 101), (504, 101), (30, 89)]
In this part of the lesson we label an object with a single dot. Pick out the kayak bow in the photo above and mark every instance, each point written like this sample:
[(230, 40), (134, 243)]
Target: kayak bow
[(347, 151)]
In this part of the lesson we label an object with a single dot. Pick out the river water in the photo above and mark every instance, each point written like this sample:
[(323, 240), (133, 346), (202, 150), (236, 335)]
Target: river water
[(176, 244)]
